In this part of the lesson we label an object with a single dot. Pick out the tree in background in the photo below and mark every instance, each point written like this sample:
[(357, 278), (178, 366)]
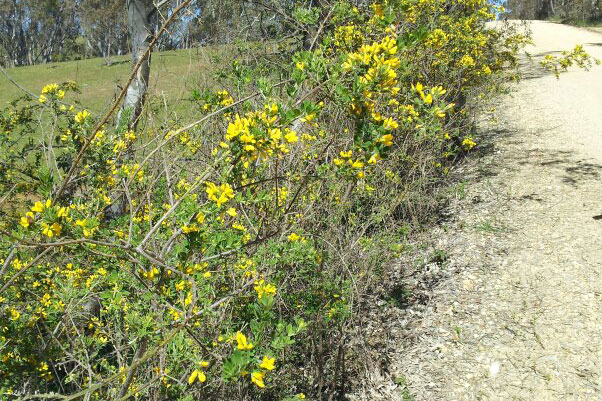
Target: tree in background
[(36, 31), (568, 10), (104, 27)]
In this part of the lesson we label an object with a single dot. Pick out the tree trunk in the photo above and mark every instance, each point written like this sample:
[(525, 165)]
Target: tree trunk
[(140, 13), (543, 12)]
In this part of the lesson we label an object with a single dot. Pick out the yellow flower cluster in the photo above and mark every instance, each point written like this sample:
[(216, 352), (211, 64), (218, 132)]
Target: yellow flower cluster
[(194, 226), (256, 135), (219, 194), (437, 38), (224, 98), (348, 35), (264, 289), (198, 375), (51, 227), (257, 376), (242, 343), (468, 143), (53, 91), (380, 59), (82, 117)]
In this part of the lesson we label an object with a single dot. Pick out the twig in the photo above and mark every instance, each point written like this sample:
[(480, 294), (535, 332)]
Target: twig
[(130, 375)]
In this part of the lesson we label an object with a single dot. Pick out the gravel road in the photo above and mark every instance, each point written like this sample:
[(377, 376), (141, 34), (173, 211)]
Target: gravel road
[(520, 315)]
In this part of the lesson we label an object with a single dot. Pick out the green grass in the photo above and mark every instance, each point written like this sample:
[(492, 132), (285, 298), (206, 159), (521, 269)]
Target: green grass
[(173, 75), (582, 23), (489, 226)]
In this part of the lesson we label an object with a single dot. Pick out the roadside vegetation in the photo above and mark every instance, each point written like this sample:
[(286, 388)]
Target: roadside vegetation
[(221, 247)]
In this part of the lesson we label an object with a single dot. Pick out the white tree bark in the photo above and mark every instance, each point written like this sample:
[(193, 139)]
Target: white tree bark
[(140, 13)]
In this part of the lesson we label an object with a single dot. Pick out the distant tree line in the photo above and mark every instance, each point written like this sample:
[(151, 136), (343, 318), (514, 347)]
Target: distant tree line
[(42, 31), (568, 10)]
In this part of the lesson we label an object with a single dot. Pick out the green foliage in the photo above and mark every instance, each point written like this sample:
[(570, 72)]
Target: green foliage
[(223, 257), (576, 57)]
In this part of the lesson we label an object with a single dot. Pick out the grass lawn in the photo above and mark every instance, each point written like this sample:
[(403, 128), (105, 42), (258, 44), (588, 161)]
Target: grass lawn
[(173, 75)]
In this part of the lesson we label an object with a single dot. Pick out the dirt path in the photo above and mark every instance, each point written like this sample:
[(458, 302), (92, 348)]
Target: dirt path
[(520, 317)]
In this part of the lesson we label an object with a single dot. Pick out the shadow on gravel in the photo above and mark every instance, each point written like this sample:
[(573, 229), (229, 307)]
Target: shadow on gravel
[(530, 68), (575, 171), (582, 171)]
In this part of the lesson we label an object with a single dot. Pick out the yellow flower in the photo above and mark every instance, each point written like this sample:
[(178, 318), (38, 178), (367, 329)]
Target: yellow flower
[(346, 155), (374, 158), (239, 227), (390, 124), (27, 219), (247, 138), (60, 94), (272, 109), (50, 88), (387, 139), (308, 117), (291, 136), (378, 10), (81, 117), (242, 343), (338, 162), (14, 314), (468, 143), (294, 237), (267, 363), (264, 289), (51, 230), (42, 99), (257, 378), (39, 207), (357, 164), (300, 65), (197, 375), (219, 195), (240, 125), (275, 133), (466, 61), (231, 212)]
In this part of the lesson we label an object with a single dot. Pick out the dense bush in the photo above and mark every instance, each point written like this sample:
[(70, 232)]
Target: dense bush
[(225, 258)]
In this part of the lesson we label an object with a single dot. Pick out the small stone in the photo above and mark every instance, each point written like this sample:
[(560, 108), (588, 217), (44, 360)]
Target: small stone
[(494, 369)]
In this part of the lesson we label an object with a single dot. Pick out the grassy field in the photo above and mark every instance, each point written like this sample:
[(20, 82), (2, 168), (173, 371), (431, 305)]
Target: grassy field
[(173, 75)]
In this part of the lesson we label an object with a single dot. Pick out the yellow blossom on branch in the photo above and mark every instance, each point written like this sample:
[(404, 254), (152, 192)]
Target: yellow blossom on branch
[(82, 116), (242, 343), (267, 363), (197, 375), (219, 195), (257, 378)]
